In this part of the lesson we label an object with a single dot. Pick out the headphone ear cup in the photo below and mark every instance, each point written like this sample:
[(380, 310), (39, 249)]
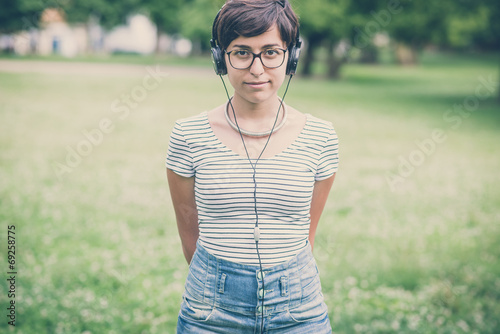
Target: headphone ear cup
[(293, 60), (218, 60)]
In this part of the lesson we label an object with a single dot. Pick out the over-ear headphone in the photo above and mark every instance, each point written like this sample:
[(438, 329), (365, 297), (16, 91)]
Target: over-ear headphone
[(293, 56), (217, 53), (219, 60)]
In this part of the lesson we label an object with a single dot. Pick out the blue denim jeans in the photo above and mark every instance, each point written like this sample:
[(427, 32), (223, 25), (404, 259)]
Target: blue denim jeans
[(226, 297)]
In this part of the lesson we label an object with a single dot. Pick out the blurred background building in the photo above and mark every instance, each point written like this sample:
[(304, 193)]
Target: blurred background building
[(54, 35)]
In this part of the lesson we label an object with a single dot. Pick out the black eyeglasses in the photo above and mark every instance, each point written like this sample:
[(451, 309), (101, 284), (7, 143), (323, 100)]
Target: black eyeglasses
[(242, 59)]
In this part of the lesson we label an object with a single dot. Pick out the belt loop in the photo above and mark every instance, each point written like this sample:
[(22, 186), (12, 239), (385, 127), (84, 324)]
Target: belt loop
[(284, 285), (222, 282)]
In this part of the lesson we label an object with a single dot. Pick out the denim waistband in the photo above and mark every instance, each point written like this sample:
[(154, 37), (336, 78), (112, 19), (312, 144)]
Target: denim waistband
[(245, 289)]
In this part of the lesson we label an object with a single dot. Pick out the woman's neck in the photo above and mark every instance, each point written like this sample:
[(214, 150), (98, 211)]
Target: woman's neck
[(246, 110)]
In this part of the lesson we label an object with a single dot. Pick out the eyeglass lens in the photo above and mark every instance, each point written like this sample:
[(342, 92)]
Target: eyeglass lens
[(243, 59)]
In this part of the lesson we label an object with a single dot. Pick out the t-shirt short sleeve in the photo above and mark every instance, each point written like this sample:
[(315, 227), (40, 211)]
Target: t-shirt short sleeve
[(179, 155), (329, 158)]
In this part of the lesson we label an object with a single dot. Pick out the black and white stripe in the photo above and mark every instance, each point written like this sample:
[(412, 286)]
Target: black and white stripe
[(224, 189)]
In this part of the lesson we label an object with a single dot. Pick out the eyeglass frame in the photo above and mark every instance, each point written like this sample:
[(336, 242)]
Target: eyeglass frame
[(256, 55)]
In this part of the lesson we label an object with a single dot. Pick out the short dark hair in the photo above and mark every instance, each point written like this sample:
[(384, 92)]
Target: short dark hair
[(249, 18)]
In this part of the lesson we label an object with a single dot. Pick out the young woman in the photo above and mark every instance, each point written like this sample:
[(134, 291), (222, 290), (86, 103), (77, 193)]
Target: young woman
[(249, 180)]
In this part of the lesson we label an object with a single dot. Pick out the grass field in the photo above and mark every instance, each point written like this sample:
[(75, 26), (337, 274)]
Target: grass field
[(408, 243)]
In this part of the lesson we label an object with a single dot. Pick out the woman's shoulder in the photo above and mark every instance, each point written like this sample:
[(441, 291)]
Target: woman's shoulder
[(319, 130), (194, 119), (316, 122), (192, 128), (192, 125)]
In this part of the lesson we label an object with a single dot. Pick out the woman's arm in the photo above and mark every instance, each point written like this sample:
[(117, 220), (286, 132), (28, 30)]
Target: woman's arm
[(319, 197), (186, 213)]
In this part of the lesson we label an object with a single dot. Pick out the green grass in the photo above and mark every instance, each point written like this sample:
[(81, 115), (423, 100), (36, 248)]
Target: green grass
[(165, 59), (97, 247)]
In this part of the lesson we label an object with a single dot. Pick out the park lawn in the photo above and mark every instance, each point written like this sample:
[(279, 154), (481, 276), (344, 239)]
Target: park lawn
[(408, 242)]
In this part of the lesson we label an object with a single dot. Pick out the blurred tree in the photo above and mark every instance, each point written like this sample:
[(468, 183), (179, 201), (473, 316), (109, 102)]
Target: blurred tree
[(108, 12), (464, 24), (474, 24), (414, 24), (16, 15), (489, 38), (165, 14), (323, 22), (366, 21), (197, 17)]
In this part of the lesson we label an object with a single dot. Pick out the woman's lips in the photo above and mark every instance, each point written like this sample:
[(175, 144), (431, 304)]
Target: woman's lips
[(258, 84)]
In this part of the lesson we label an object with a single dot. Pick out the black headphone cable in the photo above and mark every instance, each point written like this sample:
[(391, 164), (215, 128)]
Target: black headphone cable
[(254, 167)]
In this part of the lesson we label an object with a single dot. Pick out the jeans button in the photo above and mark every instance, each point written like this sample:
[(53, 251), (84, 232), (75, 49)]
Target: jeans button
[(261, 275)]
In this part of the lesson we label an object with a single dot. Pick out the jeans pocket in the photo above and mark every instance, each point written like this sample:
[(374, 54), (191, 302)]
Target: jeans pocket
[(195, 310), (195, 282), (309, 280), (313, 309)]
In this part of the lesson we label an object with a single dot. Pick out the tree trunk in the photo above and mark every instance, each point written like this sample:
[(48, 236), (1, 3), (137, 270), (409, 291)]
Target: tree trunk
[(406, 55), (158, 39), (89, 49), (312, 45), (498, 88), (334, 62), (369, 54)]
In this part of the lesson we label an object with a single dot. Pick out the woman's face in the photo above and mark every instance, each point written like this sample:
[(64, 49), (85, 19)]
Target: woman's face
[(258, 83)]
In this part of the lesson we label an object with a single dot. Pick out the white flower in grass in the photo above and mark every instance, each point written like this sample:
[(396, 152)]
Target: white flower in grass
[(463, 325)]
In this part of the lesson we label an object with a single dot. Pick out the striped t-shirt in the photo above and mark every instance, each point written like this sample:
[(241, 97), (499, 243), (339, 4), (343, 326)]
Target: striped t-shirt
[(224, 189)]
